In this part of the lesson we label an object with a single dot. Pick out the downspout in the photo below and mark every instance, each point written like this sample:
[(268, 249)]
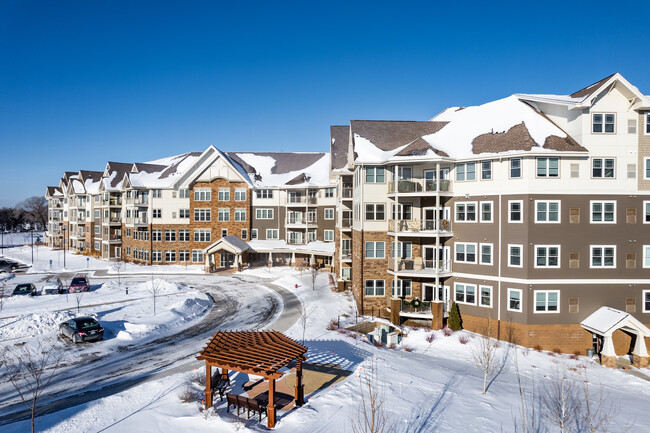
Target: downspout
[(361, 220), (500, 261), (437, 223)]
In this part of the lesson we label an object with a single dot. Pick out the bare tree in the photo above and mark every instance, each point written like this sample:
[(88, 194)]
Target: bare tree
[(314, 276), (597, 413), (118, 266), (77, 298), (527, 421), (370, 415), (30, 371), (36, 210), (485, 354), (3, 290), (155, 290), (304, 318), (561, 405)]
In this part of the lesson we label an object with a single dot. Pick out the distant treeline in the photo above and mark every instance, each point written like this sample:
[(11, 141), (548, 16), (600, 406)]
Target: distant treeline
[(29, 213)]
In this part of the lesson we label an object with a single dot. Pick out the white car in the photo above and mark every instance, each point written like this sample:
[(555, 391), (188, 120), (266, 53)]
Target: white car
[(52, 286)]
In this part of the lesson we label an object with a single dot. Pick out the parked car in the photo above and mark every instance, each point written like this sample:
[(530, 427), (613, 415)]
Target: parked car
[(82, 329), (8, 265), (79, 284), (25, 289), (52, 286)]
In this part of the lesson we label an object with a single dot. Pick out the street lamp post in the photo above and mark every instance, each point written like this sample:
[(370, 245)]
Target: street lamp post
[(32, 235), (64, 242)]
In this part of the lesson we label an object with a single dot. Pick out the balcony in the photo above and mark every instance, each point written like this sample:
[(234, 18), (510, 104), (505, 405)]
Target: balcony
[(346, 223), (112, 201), (295, 241), (114, 219), (419, 267), (347, 193), (139, 220), (114, 239), (420, 186), (420, 228), (346, 254), (301, 200)]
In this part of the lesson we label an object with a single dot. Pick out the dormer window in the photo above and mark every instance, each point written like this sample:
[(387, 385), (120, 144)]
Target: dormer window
[(603, 123)]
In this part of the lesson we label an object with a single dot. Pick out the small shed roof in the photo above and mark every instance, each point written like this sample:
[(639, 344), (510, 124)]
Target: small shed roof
[(606, 320), (231, 243), (260, 353)]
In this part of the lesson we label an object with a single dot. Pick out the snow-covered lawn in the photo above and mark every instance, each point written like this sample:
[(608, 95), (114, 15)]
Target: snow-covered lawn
[(429, 383)]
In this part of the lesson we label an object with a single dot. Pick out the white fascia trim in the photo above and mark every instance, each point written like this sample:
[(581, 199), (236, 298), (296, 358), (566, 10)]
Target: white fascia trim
[(552, 281)]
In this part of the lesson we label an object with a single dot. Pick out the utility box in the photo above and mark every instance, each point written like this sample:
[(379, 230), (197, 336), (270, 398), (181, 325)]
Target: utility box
[(392, 338)]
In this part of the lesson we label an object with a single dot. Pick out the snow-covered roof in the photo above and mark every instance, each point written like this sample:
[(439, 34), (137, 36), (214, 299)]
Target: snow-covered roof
[(339, 146), (316, 247), (606, 320), (162, 173), (91, 180), (277, 169)]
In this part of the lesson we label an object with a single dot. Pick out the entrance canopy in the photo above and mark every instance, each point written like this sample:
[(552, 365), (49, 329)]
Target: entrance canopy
[(231, 243), (606, 320)]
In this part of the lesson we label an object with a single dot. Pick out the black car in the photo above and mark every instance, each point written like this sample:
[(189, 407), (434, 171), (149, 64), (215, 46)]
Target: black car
[(25, 289), (82, 329), (8, 266)]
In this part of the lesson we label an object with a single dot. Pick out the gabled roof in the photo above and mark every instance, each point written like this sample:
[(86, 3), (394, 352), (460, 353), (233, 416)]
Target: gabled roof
[(148, 168), (230, 243), (339, 145), (606, 320), (586, 91), (275, 169), (53, 191), (114, 175)]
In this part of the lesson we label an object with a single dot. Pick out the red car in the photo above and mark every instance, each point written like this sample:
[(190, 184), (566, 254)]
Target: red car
[(79, 284)]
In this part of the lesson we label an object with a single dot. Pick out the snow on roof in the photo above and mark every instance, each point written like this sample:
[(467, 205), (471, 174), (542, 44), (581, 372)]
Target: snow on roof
[(269, 169), (604, 319), (162, 173), (279, 245), (77, 186), (566, 99)]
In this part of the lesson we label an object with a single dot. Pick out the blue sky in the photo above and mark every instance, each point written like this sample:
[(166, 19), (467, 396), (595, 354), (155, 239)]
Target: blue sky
[(85, 82)]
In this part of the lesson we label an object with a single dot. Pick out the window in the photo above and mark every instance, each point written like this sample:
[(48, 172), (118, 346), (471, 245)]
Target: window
[(156, 193), (375, 288), (202, 215), (329, 192), (404, 250), (646, 165), (547, 301), (548, 167), (515, 256), (240, 214), (486, 254), (486, 296), (465, 293), (603, 256), (224, 194), (466, 212), (156, 235), (224, 214), (329, 235), (375, 250), (184, 235), (602, 168), (264, 214), (646, 256), (183, 213), (170, 255), (224, 233), (184, 193), (375, 212), (157, 213), (202, 235), (646, 212), (466, 171), (603, 123), (486, 211), (465, 252), (202, 194), (170, 235), (184, 255), (631, 126), (547, 211), (547, 256), (515, 213), (240, 194), (400, 288), (515, 167), (156, 255), (402, 211), (375, 175), (253, 234), (197, 256), (486, 170), (603, 212), (264, 193), (646, 301), (514, 300), (272, 234), (329, 213)]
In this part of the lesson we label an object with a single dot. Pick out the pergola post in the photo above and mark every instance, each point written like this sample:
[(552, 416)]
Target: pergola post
[(270, 409), (224, 374), (208, 386), (300, 388)]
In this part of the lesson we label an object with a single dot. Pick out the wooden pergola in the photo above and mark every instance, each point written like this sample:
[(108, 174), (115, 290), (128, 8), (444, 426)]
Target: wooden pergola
[(261, 353)]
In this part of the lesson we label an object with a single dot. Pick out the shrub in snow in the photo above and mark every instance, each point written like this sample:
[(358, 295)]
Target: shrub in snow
[(446, 331), (408, 349), (431, 337), (538, 348), (454, 321), (332, 325), (463, 339), (188, 395), (199, 379)]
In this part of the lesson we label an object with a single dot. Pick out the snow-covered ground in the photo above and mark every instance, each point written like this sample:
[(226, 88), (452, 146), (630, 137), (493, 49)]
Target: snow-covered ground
[(21, 238), (429, 383)]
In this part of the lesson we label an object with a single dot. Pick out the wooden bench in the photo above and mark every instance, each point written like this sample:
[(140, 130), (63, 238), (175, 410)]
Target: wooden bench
[(247, 404)]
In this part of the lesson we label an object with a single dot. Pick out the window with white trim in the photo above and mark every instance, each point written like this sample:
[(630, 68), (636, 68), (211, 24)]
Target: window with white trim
[(547, 301), (603, 256), (466, 212), (646, 256), (329, 192), (329, 213), (375, 250), (547, 211), (328, 235), (272, 234), (515, 168), (486, 254), (224, 194), (515, 211), (183, 235), (240, 194), (400, 288), (603, 123), (603, 168), (183, 213), (253, 234), (202, 235), (465, 293), (486, 212), (375, 211), (646, 301), (603, 212), (465, 252), (402, 211), (514, 300), (197, 256), (156, 193), (224, 233), (156, 255), (184, 193), (646, 168), (548, 167), (515, 256), (156, 235), (486, 170), (240, 214), (375, 174), (224, 214), (404, 250), (156, 213), (547, 256), (244, 234), (202, 214), (264, 193), (170, 235), (264, 214), (485, 296), (466, 171), (375, 288), (202, 194), (170, 255), (183, 255)]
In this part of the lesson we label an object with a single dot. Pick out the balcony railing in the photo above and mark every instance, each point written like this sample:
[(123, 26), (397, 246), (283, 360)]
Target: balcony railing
[(115, 219), (296, 220), (346, 223), (346, 192), (295, 241), (418, 185), (142, 219), (113, 201), (414, 226), (416, 265), (346, 254), (407, 307)]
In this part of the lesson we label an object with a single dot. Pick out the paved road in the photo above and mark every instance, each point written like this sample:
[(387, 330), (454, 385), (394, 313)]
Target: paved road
[(160, 358)]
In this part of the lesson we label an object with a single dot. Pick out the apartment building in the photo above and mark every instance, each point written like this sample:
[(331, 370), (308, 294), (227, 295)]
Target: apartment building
[(176, 210), (529, 210)]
